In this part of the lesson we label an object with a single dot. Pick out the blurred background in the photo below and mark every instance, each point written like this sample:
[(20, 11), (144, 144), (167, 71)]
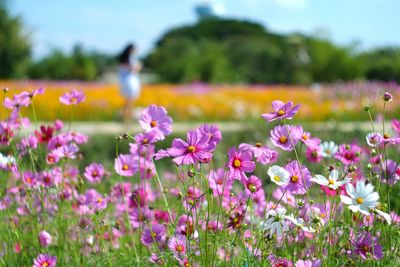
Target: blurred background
[(332, 56)]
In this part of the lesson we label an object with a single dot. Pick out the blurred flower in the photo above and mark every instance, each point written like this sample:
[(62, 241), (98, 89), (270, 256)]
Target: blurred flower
[(156, 118), (74, 97), (281, 111)]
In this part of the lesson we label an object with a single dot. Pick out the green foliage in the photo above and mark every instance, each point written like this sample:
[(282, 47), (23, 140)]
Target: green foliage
[(222, 50), (14, 44), (79, 65), (382, 64)]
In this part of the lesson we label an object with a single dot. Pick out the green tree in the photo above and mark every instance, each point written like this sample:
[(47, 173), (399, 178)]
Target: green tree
[(15, 48)]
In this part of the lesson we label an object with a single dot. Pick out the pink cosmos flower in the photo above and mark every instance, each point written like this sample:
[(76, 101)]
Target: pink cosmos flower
[(281, 111), (156, 233), (50, 178), (348, 154), (30, 179), (196, 149), (94, 172), (67, 151), (253, 184), (52, 158), (314, 153), (297, 178), (95, 200), (279, 262), (139, 216), (26, 143), (177, 245), (308, 140), (45, 239), (74, 97), (155, 118), (18, 101), (45, 260), (126, 165), (213, 132), (387, 139), (58, 125), (308, 263), (240, 162), (280, 136), (143, 139), (262, 153)]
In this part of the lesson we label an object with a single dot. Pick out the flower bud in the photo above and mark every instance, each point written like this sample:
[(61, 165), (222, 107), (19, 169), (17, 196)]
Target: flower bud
[(367, 108), (5, 89), (387, 97)]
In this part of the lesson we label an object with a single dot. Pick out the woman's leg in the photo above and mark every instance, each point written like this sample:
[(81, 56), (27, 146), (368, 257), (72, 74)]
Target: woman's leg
[(127, 110)]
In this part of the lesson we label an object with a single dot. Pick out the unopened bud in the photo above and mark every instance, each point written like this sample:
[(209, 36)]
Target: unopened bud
[(387, 97)]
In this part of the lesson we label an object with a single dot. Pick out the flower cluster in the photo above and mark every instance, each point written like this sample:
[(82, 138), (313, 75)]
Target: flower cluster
[(292, 200)]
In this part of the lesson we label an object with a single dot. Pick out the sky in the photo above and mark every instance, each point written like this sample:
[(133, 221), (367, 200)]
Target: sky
[(108, 25)]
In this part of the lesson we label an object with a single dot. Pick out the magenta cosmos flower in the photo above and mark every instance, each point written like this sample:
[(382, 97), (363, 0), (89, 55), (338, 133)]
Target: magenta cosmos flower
[(94, 172), (286, 137), (262, 153), (196, 149), (155, 118), (366, 246), (126, 165), (74, 97), (45, 239), (281, 111), (45, 260), (348, 154), (253, 184), (177, 245), (239, 163), (157, 233), (297, 178)]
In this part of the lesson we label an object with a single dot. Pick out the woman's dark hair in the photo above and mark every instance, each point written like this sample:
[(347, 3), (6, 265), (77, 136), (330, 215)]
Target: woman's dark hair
[(123, 57)]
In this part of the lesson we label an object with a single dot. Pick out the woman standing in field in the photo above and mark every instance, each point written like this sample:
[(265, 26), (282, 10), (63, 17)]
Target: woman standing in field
[(129, 80)]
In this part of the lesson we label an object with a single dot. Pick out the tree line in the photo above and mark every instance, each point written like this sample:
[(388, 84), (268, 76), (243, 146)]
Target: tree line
[(213, 50)]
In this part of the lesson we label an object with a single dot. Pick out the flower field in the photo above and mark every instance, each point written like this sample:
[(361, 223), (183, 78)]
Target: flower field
[(292, 199), (202, 102)]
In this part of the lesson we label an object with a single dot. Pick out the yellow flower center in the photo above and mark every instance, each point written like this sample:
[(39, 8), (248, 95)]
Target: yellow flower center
[(277, 178), (95, 174), (29, 180), (191, 149), (281, 112), (145, 140), (331, 181), (359, 200), (258, 144), (283, 139), (236, 163), (294, 178), (153, 234), (252, 187), (179, 248), (45, 264), (99, 200), (305, 137), (153, 124), (386, 136), (125, 167), (74, 100)]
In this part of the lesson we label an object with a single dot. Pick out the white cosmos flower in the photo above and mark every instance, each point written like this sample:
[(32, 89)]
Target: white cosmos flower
[(300, 223), (279, 175), (362, 198), (374, 139), (6, 160), (384, 215), (275, 222), (332, 182), (328, 149)]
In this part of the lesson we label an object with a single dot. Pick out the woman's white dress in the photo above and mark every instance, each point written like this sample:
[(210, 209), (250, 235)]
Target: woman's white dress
[(129, 81)]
